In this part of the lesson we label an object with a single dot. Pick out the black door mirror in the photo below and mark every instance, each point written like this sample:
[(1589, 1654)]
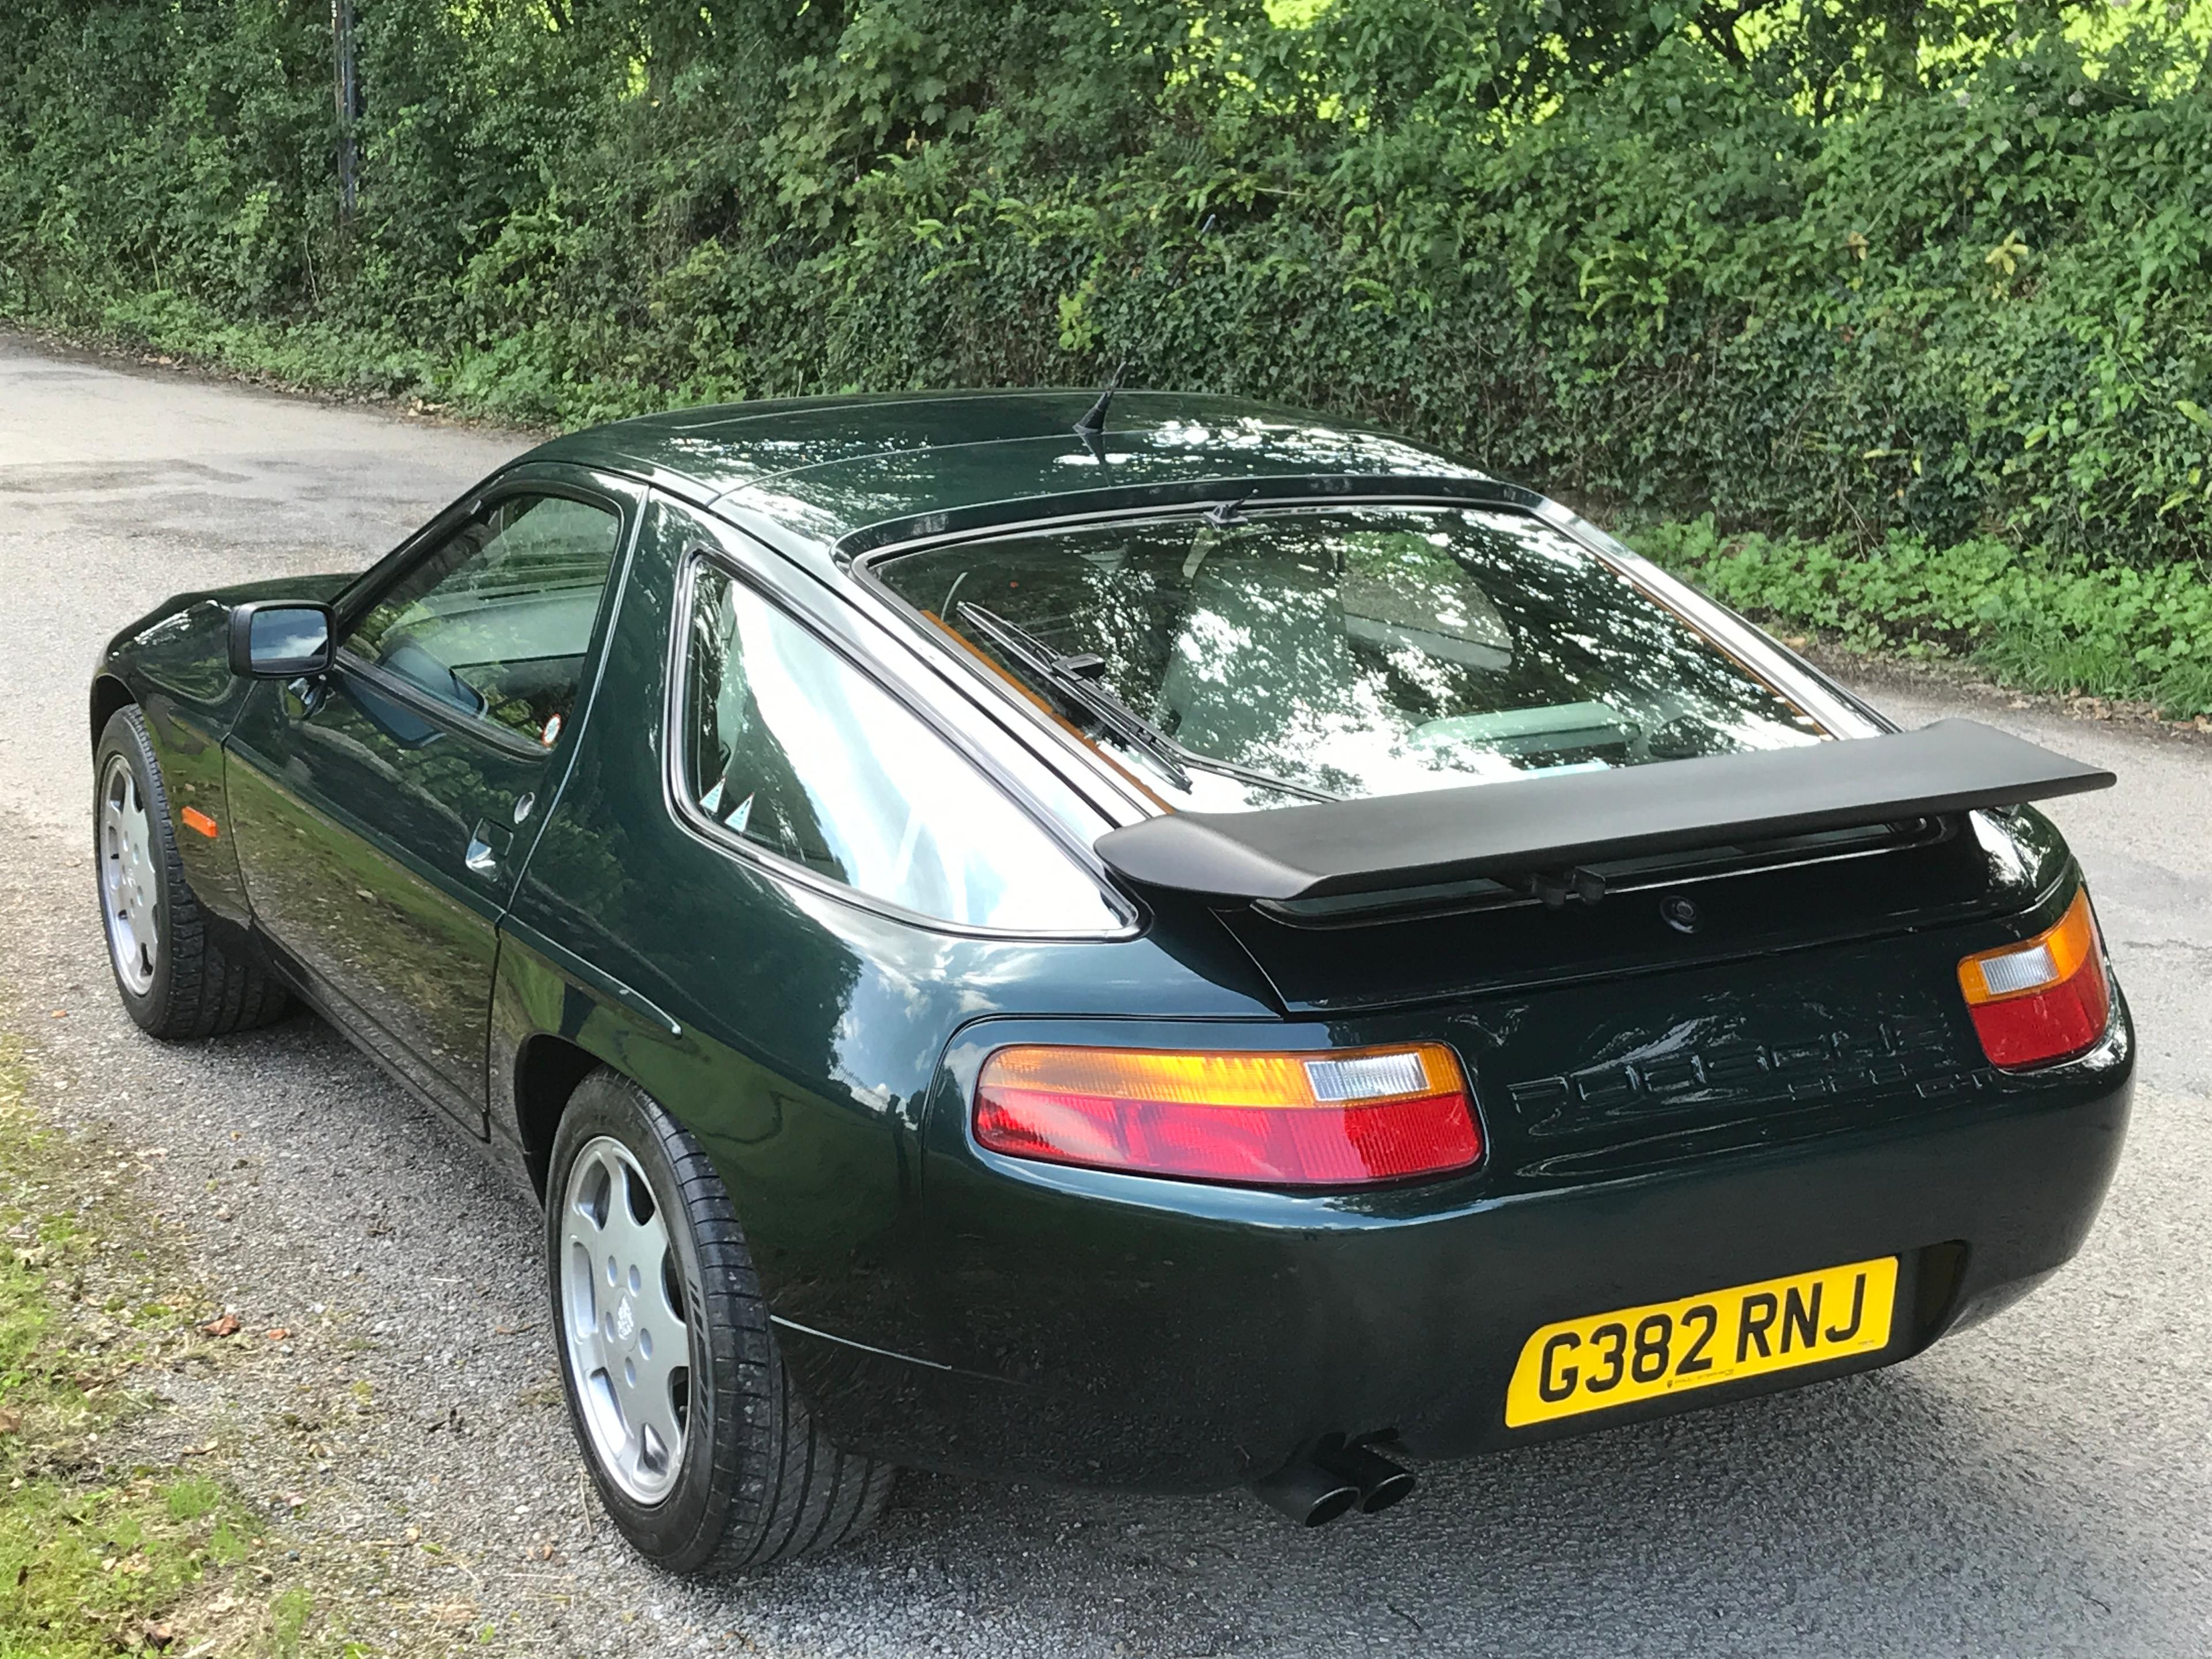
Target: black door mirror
[(280, 639)]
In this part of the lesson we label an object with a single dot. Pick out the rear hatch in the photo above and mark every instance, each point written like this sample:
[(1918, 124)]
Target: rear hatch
[(1454, 769), (1737, 998)]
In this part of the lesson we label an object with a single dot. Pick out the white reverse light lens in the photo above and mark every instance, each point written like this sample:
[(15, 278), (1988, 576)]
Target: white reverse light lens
[(1371, 1077), (2021, 970)]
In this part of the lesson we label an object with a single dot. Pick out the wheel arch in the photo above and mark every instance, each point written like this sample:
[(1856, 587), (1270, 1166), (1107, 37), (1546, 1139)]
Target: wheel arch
[(548, 1070), (109, 694)]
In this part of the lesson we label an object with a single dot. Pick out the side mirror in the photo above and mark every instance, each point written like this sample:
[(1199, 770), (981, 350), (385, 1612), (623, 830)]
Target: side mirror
[(281, 639)]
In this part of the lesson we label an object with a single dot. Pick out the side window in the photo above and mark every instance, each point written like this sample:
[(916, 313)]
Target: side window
[(789, 746), (496, 622)]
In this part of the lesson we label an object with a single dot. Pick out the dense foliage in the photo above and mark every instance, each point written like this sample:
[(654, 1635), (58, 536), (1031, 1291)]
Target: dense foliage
[(2069, 623), (1933, 267)]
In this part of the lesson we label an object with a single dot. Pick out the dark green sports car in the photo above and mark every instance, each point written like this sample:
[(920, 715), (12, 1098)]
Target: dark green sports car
[(1159, 943)]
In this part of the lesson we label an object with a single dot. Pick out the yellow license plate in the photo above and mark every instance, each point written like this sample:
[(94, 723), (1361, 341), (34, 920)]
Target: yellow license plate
[(1609, 1359)]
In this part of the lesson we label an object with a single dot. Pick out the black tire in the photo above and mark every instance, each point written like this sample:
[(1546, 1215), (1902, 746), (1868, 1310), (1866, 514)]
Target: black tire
[(196, 988), (757, 1482)]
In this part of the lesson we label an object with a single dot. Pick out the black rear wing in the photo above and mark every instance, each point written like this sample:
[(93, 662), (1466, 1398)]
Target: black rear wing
[(1555, 822)]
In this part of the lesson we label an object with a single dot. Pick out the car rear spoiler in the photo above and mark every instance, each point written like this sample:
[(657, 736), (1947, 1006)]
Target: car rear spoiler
[(1558, 821)]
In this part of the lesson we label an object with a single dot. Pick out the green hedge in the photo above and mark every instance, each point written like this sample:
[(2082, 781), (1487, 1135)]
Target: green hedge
[(2065, 624), (1897, 274)]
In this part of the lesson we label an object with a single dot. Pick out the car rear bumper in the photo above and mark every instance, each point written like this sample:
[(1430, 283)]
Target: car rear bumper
[(1097, 1328)]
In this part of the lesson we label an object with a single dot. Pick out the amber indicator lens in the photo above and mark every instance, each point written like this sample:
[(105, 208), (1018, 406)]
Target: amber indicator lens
[(2045, 999), (1341, 1117)]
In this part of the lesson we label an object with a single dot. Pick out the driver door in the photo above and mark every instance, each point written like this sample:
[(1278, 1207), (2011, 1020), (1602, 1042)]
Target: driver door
[(383, 810)]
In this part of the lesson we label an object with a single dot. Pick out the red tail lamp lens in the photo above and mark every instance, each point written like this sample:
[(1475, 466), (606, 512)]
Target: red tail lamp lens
[(1341, 1117), (2045, 998)]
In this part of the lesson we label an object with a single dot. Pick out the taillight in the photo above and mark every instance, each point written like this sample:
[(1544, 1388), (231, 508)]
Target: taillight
[(1335, 1118), (2045, 998)]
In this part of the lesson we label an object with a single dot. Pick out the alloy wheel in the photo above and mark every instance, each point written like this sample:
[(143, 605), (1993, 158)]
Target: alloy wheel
[(129, 889), (623, 1319)]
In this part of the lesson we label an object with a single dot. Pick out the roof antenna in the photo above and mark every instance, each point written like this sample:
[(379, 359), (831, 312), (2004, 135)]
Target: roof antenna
[(1092, 426)]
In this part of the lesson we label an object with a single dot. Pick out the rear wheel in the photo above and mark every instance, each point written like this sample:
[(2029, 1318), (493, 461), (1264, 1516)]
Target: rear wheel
[(704, 1455), (175, 980)]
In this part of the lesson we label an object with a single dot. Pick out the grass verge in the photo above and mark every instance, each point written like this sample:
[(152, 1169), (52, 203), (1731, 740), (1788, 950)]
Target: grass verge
[(2073, 626), (325, 359), (103, 1553)]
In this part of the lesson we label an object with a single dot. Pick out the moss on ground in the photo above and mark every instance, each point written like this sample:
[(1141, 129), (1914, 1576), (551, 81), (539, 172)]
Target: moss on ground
[(101, 1556)]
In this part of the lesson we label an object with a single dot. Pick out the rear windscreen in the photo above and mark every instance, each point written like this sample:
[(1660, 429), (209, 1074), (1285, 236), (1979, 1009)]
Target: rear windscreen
[(1345, 652)]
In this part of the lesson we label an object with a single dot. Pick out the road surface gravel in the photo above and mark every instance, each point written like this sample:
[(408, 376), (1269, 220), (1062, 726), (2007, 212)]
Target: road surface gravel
[(2040, 1485)]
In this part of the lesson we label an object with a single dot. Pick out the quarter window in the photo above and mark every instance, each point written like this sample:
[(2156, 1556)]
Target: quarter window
[(496, 622), (789, 747)]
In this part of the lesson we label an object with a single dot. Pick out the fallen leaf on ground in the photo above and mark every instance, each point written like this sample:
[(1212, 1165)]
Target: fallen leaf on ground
[(226, 1326), (10, 1421), (277, 1333)]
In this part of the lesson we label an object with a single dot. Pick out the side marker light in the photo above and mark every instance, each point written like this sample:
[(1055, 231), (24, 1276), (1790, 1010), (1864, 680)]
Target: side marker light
[(195, 819)]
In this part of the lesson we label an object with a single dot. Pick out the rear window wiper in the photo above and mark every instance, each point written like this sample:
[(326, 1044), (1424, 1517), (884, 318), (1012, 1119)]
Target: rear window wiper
[(1078, 676)]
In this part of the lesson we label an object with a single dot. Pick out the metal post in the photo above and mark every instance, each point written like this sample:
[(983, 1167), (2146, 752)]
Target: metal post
[(348, 100)]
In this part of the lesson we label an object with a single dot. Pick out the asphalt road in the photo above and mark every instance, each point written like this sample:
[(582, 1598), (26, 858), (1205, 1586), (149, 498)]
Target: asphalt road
[(2040, 1485)]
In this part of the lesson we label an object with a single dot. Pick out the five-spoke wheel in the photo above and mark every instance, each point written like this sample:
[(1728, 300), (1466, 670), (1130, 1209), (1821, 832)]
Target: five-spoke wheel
[(176, 978), (129, 890), (623, 1318), (705, 1455)]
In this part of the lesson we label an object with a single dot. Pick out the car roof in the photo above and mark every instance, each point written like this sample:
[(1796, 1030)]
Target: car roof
[(827, 480), (832, 470)]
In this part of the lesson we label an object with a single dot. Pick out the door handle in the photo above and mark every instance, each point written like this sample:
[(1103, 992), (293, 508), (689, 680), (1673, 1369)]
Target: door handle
[(482, 856)]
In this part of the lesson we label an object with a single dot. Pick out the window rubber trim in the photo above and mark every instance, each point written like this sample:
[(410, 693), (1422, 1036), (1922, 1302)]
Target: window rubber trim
[(451, 721)]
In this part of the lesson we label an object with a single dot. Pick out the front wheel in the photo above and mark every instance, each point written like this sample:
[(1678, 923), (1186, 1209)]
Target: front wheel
[(704, 1455), (176, 980)]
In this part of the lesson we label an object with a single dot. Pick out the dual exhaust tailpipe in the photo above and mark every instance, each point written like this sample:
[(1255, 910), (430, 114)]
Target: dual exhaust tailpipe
[(1316, 1487)]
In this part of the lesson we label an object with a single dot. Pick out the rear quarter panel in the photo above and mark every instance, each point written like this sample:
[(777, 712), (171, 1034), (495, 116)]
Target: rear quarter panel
[(796, 1035)]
